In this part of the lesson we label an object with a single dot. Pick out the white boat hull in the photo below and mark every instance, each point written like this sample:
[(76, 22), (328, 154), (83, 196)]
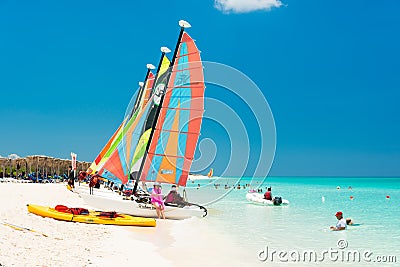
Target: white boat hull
[(199, 177), (259, 199), (103, 200)]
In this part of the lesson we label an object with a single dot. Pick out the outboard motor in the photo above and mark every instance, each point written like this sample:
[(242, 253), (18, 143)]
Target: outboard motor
[(277, 201)]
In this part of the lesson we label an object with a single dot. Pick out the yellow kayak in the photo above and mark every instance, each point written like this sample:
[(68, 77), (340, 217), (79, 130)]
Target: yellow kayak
[(96, 217)]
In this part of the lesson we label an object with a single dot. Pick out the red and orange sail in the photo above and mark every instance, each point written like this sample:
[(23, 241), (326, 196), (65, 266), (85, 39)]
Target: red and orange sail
[(119, 163), (95, 164), (120, 133), (175, 137)]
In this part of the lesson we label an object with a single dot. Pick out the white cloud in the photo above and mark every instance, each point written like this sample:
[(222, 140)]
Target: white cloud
[(243, 6)]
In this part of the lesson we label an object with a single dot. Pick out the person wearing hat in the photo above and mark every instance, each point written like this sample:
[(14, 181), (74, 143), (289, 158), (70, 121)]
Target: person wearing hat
[(157, 200), (341, 223)]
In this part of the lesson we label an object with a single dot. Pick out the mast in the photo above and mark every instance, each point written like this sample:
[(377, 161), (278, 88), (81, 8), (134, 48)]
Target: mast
[(183, 24)]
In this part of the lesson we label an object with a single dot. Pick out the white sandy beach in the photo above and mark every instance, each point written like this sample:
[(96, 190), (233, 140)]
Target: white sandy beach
[(171, 243)]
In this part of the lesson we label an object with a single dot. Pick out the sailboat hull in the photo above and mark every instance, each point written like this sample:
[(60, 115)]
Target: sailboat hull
[(109, 200)]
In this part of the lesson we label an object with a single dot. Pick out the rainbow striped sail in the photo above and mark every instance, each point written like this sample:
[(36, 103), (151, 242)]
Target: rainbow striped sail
[(175, 137), (117, 137), (96, 163), (119, 163), (157, 141), (156, 94), (125, 155)]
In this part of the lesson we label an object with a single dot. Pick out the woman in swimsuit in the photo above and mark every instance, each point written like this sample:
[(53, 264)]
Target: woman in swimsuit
[(157, 200)]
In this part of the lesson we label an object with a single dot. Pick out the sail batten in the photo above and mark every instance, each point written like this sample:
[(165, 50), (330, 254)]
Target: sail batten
[(188, 54), (170, 156), (175, 131), (193, 68), (199, 110)]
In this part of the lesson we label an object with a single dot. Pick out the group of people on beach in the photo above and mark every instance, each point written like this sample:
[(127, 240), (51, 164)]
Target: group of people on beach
[(94, 180), (173, 198)]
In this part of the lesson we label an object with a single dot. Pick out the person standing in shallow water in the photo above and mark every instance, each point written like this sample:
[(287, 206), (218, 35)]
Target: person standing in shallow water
[(341, 223)]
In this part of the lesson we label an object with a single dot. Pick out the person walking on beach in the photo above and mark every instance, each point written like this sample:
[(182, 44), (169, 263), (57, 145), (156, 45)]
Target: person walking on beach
[(157, 200), (93, 181), (71, 177), (82, 176), (341, 223)]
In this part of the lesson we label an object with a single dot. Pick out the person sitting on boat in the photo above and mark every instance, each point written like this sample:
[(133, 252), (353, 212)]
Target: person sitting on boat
[(341, 223), (174, 198), (157, 200), (268, 194)]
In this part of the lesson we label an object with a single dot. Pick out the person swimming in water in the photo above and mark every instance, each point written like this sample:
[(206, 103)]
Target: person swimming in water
[(341, 223), (350, 222)]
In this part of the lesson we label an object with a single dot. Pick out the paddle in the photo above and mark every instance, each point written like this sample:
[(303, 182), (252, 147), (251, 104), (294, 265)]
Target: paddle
[(20, 228)]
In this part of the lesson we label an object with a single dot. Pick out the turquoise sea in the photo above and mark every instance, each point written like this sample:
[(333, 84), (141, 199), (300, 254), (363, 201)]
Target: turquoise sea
[(304, 224)]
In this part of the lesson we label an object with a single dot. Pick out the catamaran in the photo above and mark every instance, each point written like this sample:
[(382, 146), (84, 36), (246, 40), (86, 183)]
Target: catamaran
[(158, 137)]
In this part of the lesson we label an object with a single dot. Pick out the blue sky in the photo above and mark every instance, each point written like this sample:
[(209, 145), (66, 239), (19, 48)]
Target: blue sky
[(330, 73)]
